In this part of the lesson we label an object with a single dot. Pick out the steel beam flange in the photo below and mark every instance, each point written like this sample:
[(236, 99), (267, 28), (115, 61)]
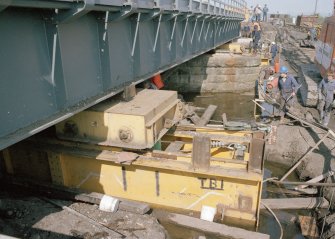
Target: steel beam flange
[(65, 16), (4, 4), (169, 15), (124, 12), (184, 16), (151, 14)]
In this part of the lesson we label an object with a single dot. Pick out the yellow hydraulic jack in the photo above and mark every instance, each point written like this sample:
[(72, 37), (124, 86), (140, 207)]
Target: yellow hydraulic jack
[(106, 151)]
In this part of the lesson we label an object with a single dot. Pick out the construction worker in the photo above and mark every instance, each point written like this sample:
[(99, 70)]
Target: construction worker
[(325, 97), (256, 36), (265, 13), (273, 50), (246, 31), (251, 14), (288, 87), (256, 24), (258, 12), (313, 34)]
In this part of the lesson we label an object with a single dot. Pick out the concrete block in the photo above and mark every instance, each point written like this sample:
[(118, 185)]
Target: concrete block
[(225, 60), (231, 70), (232, 78), (198, 70), (228, 60), (217, 72), (309, 77), (223, 87)]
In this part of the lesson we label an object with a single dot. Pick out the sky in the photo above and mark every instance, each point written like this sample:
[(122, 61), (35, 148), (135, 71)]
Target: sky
[(296, 7)]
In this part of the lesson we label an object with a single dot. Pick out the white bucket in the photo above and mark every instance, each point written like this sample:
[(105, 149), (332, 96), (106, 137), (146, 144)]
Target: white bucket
[(109, 204), (208, 213)]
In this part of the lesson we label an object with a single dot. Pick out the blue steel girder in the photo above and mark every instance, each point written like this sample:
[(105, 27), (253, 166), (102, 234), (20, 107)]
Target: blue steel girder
[(59, 57)]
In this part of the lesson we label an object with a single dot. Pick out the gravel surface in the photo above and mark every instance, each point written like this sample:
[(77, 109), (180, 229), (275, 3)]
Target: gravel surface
[(31, 217)]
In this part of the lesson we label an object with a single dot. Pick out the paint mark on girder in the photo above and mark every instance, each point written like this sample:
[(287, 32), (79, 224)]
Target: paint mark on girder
[(205, 196), (89, 176), (124, 178), (157, 183)]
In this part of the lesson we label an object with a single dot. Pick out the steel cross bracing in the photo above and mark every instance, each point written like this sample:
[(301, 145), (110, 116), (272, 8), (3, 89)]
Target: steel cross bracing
[(59, 57)]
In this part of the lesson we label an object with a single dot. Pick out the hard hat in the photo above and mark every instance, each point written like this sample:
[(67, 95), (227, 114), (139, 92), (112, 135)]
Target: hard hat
[(273, 43), (283, 69)]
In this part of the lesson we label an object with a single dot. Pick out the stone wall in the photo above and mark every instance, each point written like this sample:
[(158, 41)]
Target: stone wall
[(218, 72)]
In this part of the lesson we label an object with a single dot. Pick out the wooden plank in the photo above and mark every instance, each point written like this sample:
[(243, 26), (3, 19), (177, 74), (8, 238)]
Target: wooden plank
[(125, 205), (295, 203), (195, 118), (129, 92), (201, 152), (256, 154), (211, 227), (308, 227), (207, 115), (213, 136), (164, 154), (175, 155), (224, 119), (258, 135), (282, 191), (73, 194), (316, 179), (174, 146)]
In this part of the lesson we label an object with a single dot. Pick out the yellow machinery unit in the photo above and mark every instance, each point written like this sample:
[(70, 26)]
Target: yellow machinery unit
[(197, 167), (136, 124)]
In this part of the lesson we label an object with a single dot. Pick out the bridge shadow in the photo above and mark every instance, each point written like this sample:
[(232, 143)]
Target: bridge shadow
[(23, 215), (25, 211), (324, 150), (189, 76)]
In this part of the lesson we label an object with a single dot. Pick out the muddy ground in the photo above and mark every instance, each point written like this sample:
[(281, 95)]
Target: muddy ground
[(25, 215)]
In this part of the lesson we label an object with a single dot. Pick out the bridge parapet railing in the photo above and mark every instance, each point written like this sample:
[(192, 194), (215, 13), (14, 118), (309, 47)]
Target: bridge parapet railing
[(233, 9)]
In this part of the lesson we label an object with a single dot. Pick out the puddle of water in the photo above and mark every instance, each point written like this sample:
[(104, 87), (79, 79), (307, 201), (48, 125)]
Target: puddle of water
[(239, 107), (178, 232)]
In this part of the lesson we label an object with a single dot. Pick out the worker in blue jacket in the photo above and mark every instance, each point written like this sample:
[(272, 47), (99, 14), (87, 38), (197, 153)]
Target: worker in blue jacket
[(326, 97), (273, 50), (288, 87)]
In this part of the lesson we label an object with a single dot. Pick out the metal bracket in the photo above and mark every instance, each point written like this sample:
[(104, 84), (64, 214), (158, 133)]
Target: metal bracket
[(124, 12), (195, 25), (157, 32), (185, 28), (202, 27), (136, 32), (209, 23), (151, 14), (4, 4), (173, 30), (66, 16), (185, 16), (168, 16), (128, 10)]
